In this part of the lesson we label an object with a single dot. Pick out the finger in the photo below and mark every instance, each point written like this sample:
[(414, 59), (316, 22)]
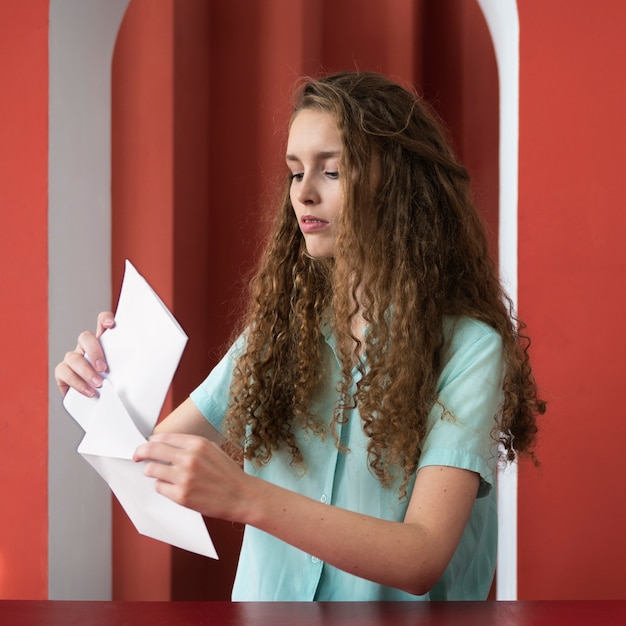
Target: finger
[(168, 489), (156, 451), (161, 472), (83, 368), (67, 378), (89, 345), (180, 440), (106, 320)]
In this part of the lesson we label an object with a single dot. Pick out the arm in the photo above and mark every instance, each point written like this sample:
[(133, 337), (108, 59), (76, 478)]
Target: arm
[(411, 555), (186, 418)]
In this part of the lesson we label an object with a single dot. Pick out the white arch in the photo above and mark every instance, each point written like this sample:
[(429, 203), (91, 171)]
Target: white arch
[(82, 36), (503, 22)]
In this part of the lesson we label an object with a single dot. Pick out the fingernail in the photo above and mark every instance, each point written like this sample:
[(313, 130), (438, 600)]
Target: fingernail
[(97, 382), (100, 365)]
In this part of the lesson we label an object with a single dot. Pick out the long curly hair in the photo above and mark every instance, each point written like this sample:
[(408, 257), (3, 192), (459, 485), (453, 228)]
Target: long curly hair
[(413, 244)]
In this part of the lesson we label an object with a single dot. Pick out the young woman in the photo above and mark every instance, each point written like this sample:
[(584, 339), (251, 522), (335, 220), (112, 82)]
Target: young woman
[(377, 370)]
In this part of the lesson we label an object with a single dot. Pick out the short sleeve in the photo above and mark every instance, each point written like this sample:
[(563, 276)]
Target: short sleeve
[(212, 396), (462, 422)]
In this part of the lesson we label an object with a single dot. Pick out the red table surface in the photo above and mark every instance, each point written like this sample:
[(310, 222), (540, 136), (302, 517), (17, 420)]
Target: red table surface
[(543, 613)]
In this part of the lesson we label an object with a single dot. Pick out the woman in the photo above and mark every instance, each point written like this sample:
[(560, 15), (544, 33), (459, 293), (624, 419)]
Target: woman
[(377, 370)]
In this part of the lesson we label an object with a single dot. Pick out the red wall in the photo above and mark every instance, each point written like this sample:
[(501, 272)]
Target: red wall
[(24, 299), (572, 267), (200, 105), (200, 101)]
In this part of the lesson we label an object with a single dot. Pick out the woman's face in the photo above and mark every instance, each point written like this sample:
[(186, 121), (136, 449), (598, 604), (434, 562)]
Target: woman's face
[(313, 152)]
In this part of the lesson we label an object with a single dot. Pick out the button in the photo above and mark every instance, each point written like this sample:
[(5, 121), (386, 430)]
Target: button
[(314, 560), (323, 498)]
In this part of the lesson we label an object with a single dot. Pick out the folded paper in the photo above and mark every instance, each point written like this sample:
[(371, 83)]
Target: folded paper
[(142, 350)]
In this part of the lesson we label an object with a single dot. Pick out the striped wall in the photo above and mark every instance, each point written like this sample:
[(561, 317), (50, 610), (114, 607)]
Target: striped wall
[(180, 86)]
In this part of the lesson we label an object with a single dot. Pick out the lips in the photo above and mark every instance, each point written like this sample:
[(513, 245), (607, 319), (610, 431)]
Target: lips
[(311, 224)]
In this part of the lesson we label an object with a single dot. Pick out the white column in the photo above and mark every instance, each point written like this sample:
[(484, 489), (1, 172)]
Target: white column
[(81, 41), (503, 23)]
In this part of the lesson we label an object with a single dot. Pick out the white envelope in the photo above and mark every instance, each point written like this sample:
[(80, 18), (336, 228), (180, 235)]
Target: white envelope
[(142, 352)]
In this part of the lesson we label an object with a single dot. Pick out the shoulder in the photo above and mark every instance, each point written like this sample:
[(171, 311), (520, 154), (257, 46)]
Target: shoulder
[(468, 335), (469, 394), (212, 394), (473, 351), (461, 331)]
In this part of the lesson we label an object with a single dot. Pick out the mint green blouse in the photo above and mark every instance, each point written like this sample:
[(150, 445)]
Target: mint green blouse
[(470, 390)]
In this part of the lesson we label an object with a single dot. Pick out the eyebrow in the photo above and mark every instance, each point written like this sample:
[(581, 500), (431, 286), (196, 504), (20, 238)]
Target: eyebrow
[(326, 154)]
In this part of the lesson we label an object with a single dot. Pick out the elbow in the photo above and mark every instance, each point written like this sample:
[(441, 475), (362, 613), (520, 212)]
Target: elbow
[(421, 581), (419, 588)]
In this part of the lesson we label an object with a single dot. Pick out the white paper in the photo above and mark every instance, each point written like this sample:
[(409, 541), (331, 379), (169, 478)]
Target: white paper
[(142, 352)]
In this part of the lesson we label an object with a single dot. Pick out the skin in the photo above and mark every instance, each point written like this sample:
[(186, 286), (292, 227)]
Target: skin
[(184, 456), (313, 152)]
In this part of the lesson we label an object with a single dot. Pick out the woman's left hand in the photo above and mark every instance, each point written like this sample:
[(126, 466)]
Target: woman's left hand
[(196, 473)]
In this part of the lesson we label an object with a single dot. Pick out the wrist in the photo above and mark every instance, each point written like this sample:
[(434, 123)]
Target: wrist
[(257, 502)]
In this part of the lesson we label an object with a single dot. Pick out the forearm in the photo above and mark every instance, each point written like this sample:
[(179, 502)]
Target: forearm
[(396, 554), (186, 418)]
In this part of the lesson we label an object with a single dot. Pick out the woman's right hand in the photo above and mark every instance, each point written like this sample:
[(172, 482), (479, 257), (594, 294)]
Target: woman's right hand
[(82, 367)]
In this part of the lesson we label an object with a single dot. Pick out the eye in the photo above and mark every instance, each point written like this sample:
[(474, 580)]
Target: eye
[(297, 177), (333, 175)]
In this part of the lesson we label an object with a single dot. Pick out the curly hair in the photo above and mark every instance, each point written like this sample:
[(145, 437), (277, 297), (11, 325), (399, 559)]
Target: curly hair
[(413, 244)]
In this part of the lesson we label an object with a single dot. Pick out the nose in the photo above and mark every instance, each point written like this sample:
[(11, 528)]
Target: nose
[(306, 191)]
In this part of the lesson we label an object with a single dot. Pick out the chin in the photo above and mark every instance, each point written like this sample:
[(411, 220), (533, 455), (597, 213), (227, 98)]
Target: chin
[(317, 253)]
